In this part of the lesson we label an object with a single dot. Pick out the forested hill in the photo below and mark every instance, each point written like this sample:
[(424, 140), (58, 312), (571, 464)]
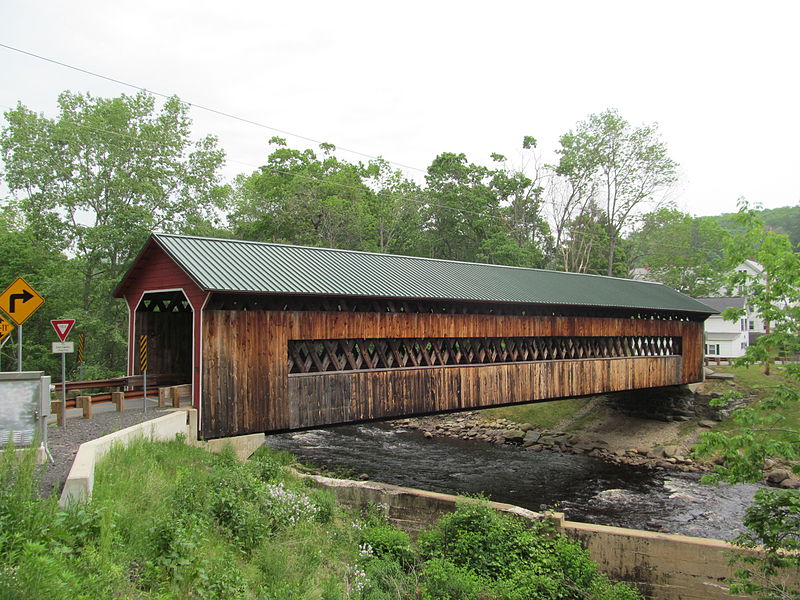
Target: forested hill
[(785, 219)]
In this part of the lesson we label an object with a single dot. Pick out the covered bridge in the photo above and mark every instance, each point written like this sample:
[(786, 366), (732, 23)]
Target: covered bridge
[(275, 337)]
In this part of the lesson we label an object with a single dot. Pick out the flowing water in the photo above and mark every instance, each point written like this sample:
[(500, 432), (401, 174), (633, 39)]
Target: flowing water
[(586, 489)]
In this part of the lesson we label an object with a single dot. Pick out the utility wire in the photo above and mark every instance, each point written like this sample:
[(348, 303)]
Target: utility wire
[(273, 168), (254, 123), (200, 106)]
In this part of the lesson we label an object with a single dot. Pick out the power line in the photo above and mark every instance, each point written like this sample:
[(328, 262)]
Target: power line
[(200, 106), (155, 144), (424, 193)]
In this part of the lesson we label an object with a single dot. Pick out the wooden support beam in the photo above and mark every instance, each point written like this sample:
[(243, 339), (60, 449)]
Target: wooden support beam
[(56, 408), (179, 392)]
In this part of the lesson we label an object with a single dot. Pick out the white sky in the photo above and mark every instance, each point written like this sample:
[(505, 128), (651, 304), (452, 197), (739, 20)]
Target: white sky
[(409, 80)]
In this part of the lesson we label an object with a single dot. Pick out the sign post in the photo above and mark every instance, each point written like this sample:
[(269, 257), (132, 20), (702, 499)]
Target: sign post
[(143, 367), (62, 328), (19, 301)]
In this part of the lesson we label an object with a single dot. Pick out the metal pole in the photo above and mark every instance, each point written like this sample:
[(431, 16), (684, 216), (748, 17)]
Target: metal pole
[(19, 348), (144, 396), (63, 389)]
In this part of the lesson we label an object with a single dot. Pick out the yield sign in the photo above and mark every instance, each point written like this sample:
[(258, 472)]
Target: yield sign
[(62, 327)]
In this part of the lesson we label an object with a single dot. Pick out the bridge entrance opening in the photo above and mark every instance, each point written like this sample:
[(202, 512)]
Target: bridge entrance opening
[(166, 319)]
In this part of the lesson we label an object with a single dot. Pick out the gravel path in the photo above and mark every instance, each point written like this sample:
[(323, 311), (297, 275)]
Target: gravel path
[(64, 441)]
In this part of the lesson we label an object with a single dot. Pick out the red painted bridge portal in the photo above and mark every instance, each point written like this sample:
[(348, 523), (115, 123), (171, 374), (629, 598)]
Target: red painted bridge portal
[(277, 338)]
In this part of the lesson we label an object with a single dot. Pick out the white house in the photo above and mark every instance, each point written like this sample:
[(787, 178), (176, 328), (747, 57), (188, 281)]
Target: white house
[(727, 339)]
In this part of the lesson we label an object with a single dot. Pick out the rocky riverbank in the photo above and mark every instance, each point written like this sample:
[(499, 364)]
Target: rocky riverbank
[(473, 426)]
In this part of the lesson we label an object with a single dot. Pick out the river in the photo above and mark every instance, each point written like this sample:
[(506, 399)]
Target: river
[(584, 488)]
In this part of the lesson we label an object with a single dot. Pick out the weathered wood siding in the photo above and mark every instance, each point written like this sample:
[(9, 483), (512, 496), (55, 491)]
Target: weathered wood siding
[(341, 397), (247, 388)]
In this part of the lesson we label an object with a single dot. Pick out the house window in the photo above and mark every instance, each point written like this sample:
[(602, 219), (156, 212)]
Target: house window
[(744, 324), (751, 325), (712, 349)]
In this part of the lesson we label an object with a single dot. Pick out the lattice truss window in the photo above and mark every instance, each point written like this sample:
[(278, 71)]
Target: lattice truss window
[(317, 356)]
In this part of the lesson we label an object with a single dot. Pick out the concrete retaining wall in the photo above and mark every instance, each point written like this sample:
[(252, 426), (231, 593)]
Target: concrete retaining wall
[(662, 566), (80, 481)]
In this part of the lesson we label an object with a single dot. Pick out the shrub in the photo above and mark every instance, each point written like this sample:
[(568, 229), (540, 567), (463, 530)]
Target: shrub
[(443, 580), (513, 558), (386, 541)]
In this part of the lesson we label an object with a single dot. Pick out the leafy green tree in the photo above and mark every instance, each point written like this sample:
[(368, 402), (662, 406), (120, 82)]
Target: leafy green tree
[(774, 519), (622, 167), (299, 197), (785, 219), (483, 214), (395, 207), (22, 254), (681, 251), (96, 180)]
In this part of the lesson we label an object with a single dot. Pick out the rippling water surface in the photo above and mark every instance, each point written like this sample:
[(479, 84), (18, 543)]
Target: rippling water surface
[(586, 489)]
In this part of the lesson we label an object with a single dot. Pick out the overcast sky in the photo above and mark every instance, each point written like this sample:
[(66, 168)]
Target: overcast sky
[(409, 80)]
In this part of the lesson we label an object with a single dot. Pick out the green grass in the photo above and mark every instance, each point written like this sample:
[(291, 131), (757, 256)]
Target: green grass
[(543, 415), (752, 381)]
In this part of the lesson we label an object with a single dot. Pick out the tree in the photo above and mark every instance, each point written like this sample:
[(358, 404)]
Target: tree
[(395, 207), (301, 198), (96, 180), (621, 166), (481, 214), (22, 254), (774, 519), (681, 251)]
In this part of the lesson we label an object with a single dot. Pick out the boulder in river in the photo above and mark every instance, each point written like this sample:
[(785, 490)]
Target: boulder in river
[(514, 436), (531, 437)]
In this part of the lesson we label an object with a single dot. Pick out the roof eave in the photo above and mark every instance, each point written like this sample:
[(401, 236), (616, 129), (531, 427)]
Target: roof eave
[(434, 299)]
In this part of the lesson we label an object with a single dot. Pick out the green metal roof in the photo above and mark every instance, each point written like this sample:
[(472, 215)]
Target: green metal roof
[(224, 265)]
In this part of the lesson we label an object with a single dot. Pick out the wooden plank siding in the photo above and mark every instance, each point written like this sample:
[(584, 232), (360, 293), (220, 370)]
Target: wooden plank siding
[(247, 388), (321, 399)]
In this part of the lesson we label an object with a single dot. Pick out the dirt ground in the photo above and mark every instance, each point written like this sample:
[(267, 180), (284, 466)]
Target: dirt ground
[(623, 432)]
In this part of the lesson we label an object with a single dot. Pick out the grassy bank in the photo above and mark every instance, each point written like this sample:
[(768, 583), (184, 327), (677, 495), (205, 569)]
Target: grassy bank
[(543, 415), (752, 382), (169, 521)]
